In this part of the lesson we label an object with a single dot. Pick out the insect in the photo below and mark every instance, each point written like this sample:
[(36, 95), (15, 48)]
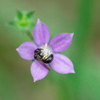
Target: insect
[(41, 58)]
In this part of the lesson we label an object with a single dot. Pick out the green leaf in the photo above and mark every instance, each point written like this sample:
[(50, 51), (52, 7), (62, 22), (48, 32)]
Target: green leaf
[(19, 14), (32, 60), (30, 14)]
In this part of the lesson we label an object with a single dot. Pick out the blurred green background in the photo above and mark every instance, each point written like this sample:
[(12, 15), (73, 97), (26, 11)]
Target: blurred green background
[(79, 16)]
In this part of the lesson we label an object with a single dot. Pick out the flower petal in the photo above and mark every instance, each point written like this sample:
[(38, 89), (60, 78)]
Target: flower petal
[(41, 33), (26, 50), (62, 64), (38, 71), (61, 42)]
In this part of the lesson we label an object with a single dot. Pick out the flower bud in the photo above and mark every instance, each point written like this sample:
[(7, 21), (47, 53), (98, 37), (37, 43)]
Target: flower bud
[(23, 20)]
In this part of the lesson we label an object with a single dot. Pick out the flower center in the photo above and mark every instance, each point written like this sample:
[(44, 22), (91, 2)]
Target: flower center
[(44, 54)]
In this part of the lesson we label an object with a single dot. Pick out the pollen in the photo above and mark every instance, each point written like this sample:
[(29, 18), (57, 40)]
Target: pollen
[(45, 57)]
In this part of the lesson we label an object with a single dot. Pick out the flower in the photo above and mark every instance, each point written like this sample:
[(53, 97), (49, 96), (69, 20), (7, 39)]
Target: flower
[(46, 53)]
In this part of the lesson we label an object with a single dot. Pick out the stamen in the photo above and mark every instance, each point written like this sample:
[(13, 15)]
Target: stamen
[(46, 46)]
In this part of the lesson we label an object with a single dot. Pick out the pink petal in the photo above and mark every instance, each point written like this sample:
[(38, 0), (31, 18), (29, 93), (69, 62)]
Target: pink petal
[(26, 50), (61, 42), (62, 64), (41, 33), (38, 71)]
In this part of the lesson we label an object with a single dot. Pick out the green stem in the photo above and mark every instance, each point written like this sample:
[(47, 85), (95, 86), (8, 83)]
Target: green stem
[(30, 35)]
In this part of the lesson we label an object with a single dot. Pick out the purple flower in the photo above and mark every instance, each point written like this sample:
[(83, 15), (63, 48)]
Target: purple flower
[(46, 53)]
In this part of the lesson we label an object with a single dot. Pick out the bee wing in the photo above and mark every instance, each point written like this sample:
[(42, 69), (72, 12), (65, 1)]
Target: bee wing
[(44, 65)]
